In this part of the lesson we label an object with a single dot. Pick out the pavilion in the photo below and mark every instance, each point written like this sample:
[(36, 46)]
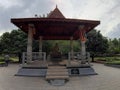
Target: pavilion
[(54, 27)]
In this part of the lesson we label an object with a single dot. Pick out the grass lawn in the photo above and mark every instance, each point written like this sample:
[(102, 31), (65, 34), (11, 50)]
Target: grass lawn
[(113, 62), (12, 59), (2, 62), (109, 60)]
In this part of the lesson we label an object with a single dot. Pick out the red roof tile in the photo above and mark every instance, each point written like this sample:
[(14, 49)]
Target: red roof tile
[(55, 14)]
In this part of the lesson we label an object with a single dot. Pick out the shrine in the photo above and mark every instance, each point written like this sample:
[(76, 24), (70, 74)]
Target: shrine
[(55, 27)]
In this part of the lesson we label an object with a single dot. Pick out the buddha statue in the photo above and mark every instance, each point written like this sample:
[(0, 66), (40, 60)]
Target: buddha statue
[(55, 52)]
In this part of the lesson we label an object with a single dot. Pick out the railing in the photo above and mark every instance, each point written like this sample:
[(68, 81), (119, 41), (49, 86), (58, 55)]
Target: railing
[(35, 56), (74, 55), (78, 56)]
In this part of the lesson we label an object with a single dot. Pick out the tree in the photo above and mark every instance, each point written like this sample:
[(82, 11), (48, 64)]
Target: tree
[(5, 42), (114, 46), (96, 43), (13, 42)]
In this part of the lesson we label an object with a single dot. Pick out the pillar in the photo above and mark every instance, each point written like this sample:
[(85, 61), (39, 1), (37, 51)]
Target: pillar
[(71, 48), (83, 41), (40, 47), (29, 43), (71, 52), (83, 50), (40, 44)]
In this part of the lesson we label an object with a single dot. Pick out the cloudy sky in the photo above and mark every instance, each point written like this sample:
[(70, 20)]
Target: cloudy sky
[(107, 11)]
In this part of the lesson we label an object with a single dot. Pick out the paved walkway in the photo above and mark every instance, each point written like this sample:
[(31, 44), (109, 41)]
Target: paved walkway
[(108, 78)]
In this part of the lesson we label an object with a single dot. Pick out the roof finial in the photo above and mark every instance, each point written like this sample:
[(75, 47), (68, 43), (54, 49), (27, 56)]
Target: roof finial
[(56, 5)]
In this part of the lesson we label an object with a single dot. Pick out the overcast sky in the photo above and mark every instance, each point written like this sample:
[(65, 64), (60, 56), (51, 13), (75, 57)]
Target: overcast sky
[(107, 11)]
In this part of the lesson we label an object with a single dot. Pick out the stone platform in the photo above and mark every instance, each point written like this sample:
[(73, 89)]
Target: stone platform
[(31, 72), (72, 71)]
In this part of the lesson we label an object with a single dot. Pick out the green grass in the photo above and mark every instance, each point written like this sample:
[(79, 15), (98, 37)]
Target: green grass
[(1, 59), (12, 59), (2, 62), (109, 60), (113, 62)]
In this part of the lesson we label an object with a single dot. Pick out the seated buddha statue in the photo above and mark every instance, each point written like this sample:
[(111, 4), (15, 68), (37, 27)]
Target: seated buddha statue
[(55, 51)]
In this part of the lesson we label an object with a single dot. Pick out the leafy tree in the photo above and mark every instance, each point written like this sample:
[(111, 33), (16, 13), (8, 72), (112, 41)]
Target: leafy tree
[(13, 42), (5, 42), (114, 46), (96, 43)]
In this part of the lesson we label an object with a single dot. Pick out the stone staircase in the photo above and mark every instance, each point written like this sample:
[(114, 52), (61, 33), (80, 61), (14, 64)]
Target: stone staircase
[(57, 75)]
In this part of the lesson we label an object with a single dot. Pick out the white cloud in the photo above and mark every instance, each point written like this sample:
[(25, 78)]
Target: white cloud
[(110, 19), (107, 11), (9, 3)]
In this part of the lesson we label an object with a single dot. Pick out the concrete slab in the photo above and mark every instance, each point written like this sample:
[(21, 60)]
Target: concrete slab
[(57, 82), (108, 78), (42, 72), (87, 71), (81, 71), (31, 72)]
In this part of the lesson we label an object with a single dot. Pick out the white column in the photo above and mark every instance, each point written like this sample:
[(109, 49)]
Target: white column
[(40, 44), (83, 49), (83, 52), (29, 44), (40, 47), (23, 58), (70, 55), (71, 48)]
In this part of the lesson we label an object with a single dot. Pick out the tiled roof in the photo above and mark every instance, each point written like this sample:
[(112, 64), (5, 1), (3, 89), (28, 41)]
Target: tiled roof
[(55, 14), (55, 26)]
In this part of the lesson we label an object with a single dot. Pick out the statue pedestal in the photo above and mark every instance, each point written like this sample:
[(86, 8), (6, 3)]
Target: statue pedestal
[(56, 57)]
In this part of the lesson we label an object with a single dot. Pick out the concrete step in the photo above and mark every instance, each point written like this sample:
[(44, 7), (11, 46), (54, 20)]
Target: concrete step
[(56, 67), (57, 70), (57, 73), (57, 77)]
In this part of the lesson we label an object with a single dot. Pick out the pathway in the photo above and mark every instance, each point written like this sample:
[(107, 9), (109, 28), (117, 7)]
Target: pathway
[(108, 78)]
